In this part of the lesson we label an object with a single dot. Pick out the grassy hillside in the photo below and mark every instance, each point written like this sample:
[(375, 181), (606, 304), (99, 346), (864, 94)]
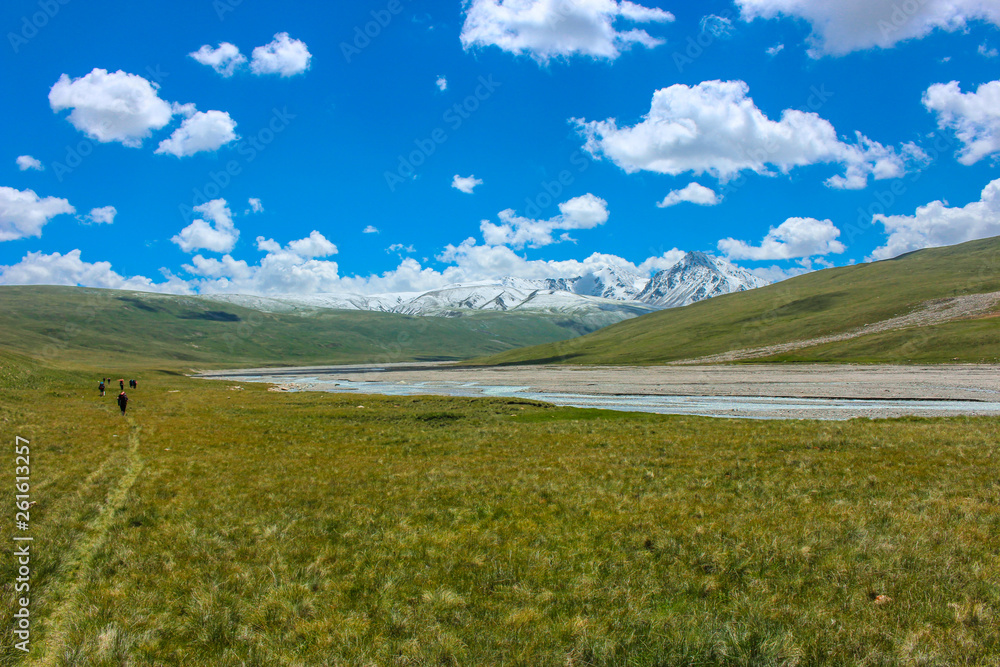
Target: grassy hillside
[(107, 328), (817, 304), (223, 526)]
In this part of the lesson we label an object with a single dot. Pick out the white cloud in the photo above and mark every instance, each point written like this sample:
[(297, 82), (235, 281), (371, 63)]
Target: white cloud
[(203, 131), (314, 245), (719, 27), (988, 51), (255, 205), (104, 215), (937, 224), (775, 273), (715, 128), (842, 26), (37, 268), (111, 107), (283, 55), (25, 162), (400, 248), (694, 193), (465, 183), (794, 238), (441, 83), (660, 262), (227, 267), (23, 213), (224, 59), (585, 212), (370, 229), (546, 29), (213, 231), (775, 50), (293, 269), (975, 117)]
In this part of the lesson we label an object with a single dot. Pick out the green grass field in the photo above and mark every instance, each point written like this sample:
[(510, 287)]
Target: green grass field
[(112, 331), (223, 526), (816, 304)]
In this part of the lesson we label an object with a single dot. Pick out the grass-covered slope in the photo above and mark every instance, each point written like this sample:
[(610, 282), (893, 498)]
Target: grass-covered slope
[(817, 304), (107, 328)]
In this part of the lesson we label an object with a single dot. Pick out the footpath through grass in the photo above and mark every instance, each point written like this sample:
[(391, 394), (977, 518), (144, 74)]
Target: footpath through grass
[(221, 526)]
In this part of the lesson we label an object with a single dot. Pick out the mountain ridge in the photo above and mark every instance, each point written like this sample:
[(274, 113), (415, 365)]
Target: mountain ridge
[(613, 291)]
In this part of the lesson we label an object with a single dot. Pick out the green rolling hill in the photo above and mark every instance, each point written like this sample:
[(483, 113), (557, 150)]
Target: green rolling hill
[(105, 329), (821, 304)]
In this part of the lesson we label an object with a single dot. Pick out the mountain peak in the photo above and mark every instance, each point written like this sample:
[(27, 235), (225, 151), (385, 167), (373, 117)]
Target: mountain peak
[(696, 277)]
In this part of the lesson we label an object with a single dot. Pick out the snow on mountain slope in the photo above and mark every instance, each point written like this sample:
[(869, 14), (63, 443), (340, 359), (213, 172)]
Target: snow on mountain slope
[(601, 297), (611, 282), (697, 277)]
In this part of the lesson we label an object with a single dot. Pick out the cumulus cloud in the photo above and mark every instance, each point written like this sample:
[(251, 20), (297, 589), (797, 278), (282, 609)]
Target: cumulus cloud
[(37, 268), (224, 59), (23, 213), (202, 131), (25, 162), (584, 212), (974, 117), (465, 183), (400, 248), (546, 29), (842, 26), (255, 205), (441, 83), (213, 231), (283, 55), (111, 107), (227, 267), (937, 224), (314, 245), (794, 238), (370, 229), (715, 128), (987, 51), (775, 50), (105, 215), (694, 193)]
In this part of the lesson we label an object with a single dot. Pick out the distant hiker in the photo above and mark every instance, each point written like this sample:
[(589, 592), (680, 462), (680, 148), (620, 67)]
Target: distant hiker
[(100, 387), (135, 384), (121, 383), (122, 402)]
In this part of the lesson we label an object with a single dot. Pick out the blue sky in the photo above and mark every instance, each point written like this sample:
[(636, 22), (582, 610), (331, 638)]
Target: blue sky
[(400, 145)]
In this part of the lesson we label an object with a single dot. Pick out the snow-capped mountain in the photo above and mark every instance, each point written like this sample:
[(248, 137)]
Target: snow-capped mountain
[(695, 278), (598, 298)]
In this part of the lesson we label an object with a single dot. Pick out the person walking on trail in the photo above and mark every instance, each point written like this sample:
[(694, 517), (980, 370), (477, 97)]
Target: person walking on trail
[(121, 383), (123, 402), (100, 387)]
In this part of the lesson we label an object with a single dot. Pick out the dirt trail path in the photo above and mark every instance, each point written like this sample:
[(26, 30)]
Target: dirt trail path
[(60, 621), (933, 312)]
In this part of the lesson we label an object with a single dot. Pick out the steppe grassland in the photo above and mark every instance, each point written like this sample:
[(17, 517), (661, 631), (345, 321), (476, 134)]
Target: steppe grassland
[(238, 526)]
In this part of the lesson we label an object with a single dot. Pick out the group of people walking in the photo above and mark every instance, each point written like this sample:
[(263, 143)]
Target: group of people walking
[(122, 397)]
